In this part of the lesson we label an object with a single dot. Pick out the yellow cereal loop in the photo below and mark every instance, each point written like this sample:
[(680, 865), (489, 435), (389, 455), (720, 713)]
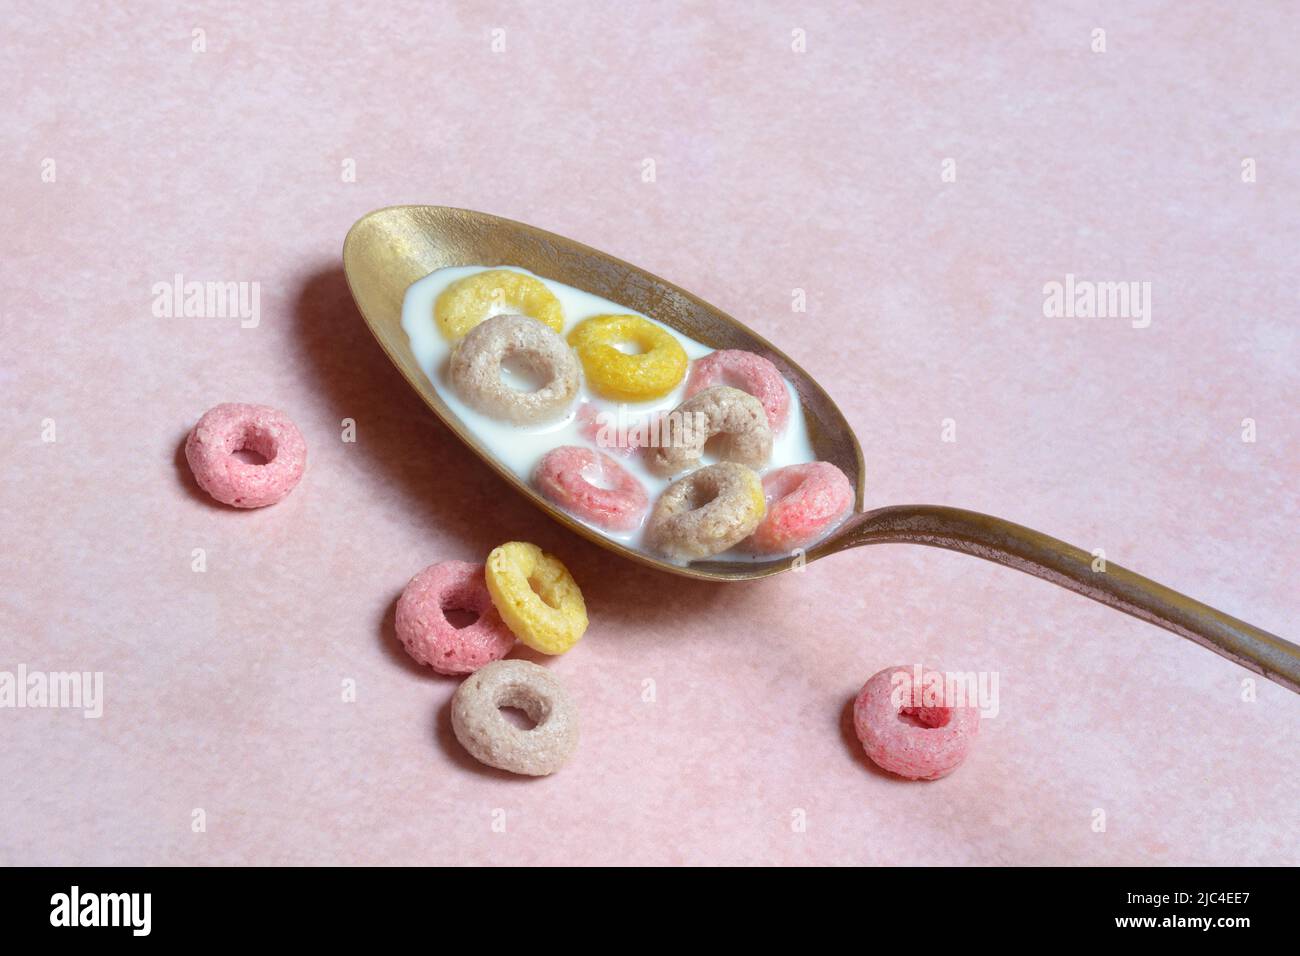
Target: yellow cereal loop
[(536, 596), (653, 373), (468, 301)]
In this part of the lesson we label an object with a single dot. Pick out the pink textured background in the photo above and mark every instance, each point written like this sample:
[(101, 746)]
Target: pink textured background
[(776, 170)]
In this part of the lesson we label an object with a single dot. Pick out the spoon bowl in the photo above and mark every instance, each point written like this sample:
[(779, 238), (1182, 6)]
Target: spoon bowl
[(389, 249)]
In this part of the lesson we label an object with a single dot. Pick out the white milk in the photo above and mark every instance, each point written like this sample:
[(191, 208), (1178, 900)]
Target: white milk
[(520, 447)]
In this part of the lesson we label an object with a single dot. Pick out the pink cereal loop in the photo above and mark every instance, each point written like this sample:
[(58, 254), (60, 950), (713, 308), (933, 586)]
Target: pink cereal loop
[(907, 733), (601, 428), (803, 503), (748, 372), (232, 427), (593, 487), (428, 636)]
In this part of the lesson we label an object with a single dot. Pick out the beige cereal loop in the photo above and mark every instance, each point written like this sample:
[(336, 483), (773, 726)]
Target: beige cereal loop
[(490, 738), (476, 370), (706, 512), (735, 416)]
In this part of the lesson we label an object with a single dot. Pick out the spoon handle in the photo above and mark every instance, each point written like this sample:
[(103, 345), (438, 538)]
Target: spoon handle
[(1053, 560)]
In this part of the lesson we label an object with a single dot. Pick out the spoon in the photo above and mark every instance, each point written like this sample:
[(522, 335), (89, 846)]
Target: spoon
[(387, 250)]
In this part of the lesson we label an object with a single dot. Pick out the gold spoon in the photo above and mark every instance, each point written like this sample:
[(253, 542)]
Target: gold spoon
[(387, 250)]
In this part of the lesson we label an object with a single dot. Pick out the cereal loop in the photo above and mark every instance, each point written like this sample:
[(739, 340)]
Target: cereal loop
[(233, 427), (482, 729), (803, 503), (735, 418), (706, 512), (748, 372), (652, 373), (536, 596), (468, 301), (592, 486), (906, 732), (600, 427), (428, 636), (476, 366)]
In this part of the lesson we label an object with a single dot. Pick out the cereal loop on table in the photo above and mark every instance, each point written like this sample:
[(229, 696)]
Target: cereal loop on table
[(735, 418), (803, 503), (536, 596), (706, 512), (428, 636), (908, 728), (227, 429), (592, 486), (490, 738), (651, 373), (468, 301), (476, 372), (748, 372)]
